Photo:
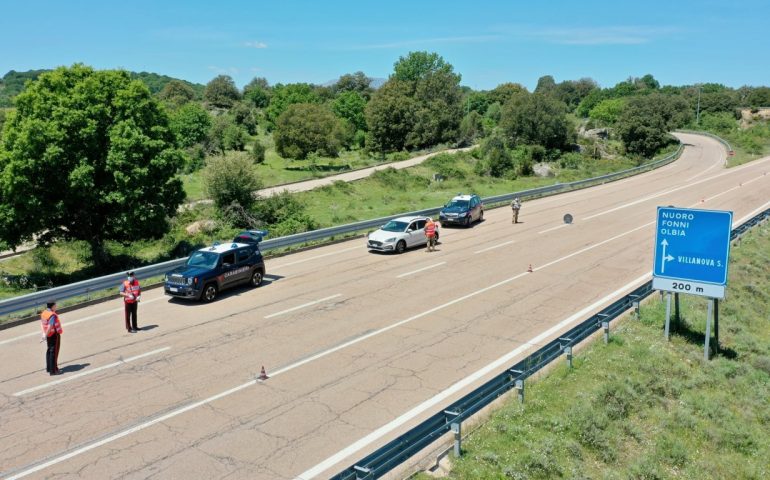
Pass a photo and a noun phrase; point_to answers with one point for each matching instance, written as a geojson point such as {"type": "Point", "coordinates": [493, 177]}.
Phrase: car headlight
{"type": "Point", "coordinates": [390, 240]}
{"type": "Point", "coordinates": [464, 214]}
{"type": "Point", "coordinates": [189, 280]}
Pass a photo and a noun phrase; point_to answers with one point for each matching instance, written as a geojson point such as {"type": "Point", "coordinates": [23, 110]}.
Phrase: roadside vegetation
{"type": "Point", "coordinates": [641, 408]}
{"type": "Point", "coordinates": [128, 154]}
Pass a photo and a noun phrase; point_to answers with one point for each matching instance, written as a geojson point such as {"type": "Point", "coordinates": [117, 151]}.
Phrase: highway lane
{"type": "Point", "coordinates": [346, 365]}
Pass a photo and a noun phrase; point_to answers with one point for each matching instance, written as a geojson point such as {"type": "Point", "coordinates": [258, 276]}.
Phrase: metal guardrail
{"type": "Point", "coordinates": [408, 444]}
{"type": "Point", "coordinates": [38, 299]}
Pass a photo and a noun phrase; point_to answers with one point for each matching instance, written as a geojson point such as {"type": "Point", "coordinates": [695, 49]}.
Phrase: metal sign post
{"type": "Point", "coordinates": [668, 313]}
{"type": "Point", "coordinates": [708, 329]}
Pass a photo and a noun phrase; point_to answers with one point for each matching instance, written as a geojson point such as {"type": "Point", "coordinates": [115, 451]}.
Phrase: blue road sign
{"type": "Point", "coordinates": [692, 249]}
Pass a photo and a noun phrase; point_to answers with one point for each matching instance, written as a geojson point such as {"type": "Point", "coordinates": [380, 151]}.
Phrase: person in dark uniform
{"type": "Point", "coordinates": [51, 325]}
{"type": "Point", "coordinates": [131, 292]}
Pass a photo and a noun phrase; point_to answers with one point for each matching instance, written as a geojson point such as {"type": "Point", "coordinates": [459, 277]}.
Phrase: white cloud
{"type": "Point", "coordinates": [428, 41]}
{"type": "Point", "coordinates": [620, 35]}
{"type": "Point", "coordinates": [255, 44]}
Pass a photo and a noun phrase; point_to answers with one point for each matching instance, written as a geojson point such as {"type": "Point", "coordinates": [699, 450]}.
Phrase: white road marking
{"type": "Point", "coordinates": [67, 323]}
{"type": "Point", "coordinates": [305, 361]}
{"type": "Point", "coordinates": [303, 306]}
{"type": "Point", "coordinates": [420, 270]}
{"type": "Point", "coordinates": [553, 228]}
{"type": "Point", "coordinates": [316, 257]}
{"type": "Point", "coordinates": [89, 372]}
{"type": "Point", "coordinates": [495, 246]}
{"type": "Point", "coordinates": [655, 195]}
{"type": "Point", "coordinates": [462, 384]}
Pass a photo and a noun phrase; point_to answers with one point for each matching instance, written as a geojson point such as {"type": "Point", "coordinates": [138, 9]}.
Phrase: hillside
{"type": "Point", "coordinates": [13, 82]}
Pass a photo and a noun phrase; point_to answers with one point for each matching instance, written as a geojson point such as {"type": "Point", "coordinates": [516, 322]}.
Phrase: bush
{"type": "Point", "coordinates": [399, 179]}
{"type": "Point", "coordinates": [572, 160]}
{"type": "Point", "coordinates": [258, 152]}
{"type": "Point", "coordinates": [231, 179]}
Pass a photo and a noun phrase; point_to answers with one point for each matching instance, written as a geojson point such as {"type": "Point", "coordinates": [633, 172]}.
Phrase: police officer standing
{"type": "Point", "coordinates": [131, 292]}
{"type": "Point", "coordinates": [430, 234]}
{"type": "Point", "coordinates": [515, 207]}
{"type": "Point", "coordinates": [51, 325]}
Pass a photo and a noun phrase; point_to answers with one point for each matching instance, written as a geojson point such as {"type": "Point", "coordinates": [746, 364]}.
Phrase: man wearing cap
{"type": "Point", "coordinates": [131, 292]}
{"type": "Point", "coordinates": [49, 321]}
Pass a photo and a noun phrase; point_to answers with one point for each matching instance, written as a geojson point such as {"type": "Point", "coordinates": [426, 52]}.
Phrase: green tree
{"type": "Point", "coordinates": [607, 111]}
{"type": "Point", "coordinates": [436, 108]}
{"type": "Point", "coordinates": [230, 180]}
{"type": "Point", "coordinates": [285, 95]}
{"type": "Point", "coordinates": [535, 119]}
{"type": "Point", "coordinates": [356, 82]}
{"type": "Point", "coordinates": [645, 122]}
{"type": "Point", "coordinates": [497, 158]}
{"type": "Point", "coordinates": [546, 85]}
{"type": "Point", "coordinates": [221, 92]}
{"type": "Point", "coordinates": [245, 115]}
{"type": "Point", "coordinates": [190, 124]}
{"type": "Point", "coordinates": [87, 155]}
{"type": "Point", "coordinates": [471, 128]}
{"type": "Point", "coordinates": [257, 91]}
{"type": "Point", "coordinates": [350, 105]}
{"type": "Point", "coordinates": [504, 92]}
{"type": "Point", "coordinates": [177, 93]}
{"type": "Point", "coordinates": [225, 135]}
{"type": "Point", "coordinates": [258, 151]}
{"type": "Point", "coordinates": [390, 116]}
{"type": "Point", "coordinates": [305, 128]}
{"type": "Point", "coordinates": [420, 65]}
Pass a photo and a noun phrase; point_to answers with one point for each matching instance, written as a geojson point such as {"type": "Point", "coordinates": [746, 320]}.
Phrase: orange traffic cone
{"type": "Point", "coordinates": [262, 374]}
{"type": "Point", "coordinates": [530, 268]}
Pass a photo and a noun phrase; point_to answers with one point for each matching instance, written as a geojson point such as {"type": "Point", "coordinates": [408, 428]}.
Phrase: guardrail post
{"type": "Point", "coordinates": [635, 304]}
{"type": "Point", "coordinates": [457, 430]}
{"type": "Point", "coordinates": [606, 327]}
{"type": "Point", "coordinates": [520, 390]}
{"type": "Point", "coordinates": [568, 351]}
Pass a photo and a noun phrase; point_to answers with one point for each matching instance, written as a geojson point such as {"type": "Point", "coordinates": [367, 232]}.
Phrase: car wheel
{"type": "Point", "coordinates": [400, 246]}
{"type": "Point", "coordinates": [209, 293]}
{"type": "Point", "coordinates": [256, 278]}
{"type": "Point", "coordinates": [481, 216]}
{"type": "Point", "coordinates": [468, 221]}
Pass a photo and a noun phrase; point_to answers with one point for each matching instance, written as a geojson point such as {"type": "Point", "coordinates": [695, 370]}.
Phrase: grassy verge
{"type": "Point", "coordinates": [276, 170]}
{"type": "Point", "coordinates": [641, 408]}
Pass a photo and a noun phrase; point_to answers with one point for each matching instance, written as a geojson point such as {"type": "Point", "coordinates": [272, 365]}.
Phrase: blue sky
{"type": "Point", "coordinates": [488, 42]}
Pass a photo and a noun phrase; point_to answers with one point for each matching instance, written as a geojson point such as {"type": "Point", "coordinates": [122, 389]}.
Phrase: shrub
{"type": "Point", "coordinates": [231, 179]}
{"type": "Point", "coordinates": [258, 152]}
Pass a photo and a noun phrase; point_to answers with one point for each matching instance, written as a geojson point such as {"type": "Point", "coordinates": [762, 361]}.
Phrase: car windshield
{"type": "Point", "coordinates": [394, 226]}
{"type": "Point", "coordinates": [203, 259]}
{"type": "Point", "coordinates": [458, 204]}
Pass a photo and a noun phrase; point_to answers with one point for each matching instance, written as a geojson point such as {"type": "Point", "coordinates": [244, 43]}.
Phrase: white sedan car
{"type": "Point", "coordinates": [399, 234]}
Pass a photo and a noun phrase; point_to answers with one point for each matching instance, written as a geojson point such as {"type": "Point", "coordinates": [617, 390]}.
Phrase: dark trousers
{"type": "Point", "coordinates": [52, 353]}
{"type": "Point", "coordinates": [131, 309]}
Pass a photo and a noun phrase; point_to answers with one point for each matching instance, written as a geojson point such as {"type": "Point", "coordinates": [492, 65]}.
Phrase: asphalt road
{"type": "Point", "coordinates": [359, 346]}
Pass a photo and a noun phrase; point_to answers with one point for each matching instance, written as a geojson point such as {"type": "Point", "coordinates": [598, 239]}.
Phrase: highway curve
{"type": "Point", "coordinates": [358, 346]}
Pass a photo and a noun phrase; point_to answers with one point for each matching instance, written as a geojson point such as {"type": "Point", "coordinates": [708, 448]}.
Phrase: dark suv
{"type": "Point", "coordinates": [210, 270]}
{"type": "Point", "coordinates": [462, 210]}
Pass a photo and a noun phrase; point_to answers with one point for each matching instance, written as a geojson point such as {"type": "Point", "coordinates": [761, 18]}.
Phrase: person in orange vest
{"type": "Point", "coordinates": [51, 325]}
{"type": "Point", "coordinates": [430, 234]}
{"type": "Point", "coordinates": [131, 293]}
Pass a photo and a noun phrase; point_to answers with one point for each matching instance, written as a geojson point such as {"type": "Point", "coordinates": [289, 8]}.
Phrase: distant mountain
{"type": "Point", "coordinates": [13, 82]}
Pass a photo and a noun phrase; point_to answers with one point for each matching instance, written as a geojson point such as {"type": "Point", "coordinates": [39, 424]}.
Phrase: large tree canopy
{"type": "Point", "coordinates": [535, 119]}
{"type": "Point", "coordinates": [221, 92]}
{"type": "Point", "coordinates": [420, 105]}
{"type": "Point", "coordinates": [304, 128]}
{"type": "Point", "coordinates": [88, 155]}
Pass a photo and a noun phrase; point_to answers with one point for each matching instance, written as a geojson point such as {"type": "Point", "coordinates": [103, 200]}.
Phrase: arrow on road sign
{"type": "Point", "coordinates": [665, 258]}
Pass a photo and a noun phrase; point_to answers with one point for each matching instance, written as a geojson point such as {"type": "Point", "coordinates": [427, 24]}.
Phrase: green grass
{"type": "Point", "coordinates": [276, 170]}
{"type": "Point", "coordinates": [392, 191]}
{"type": "Point", "coordinates": [642, 408]}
